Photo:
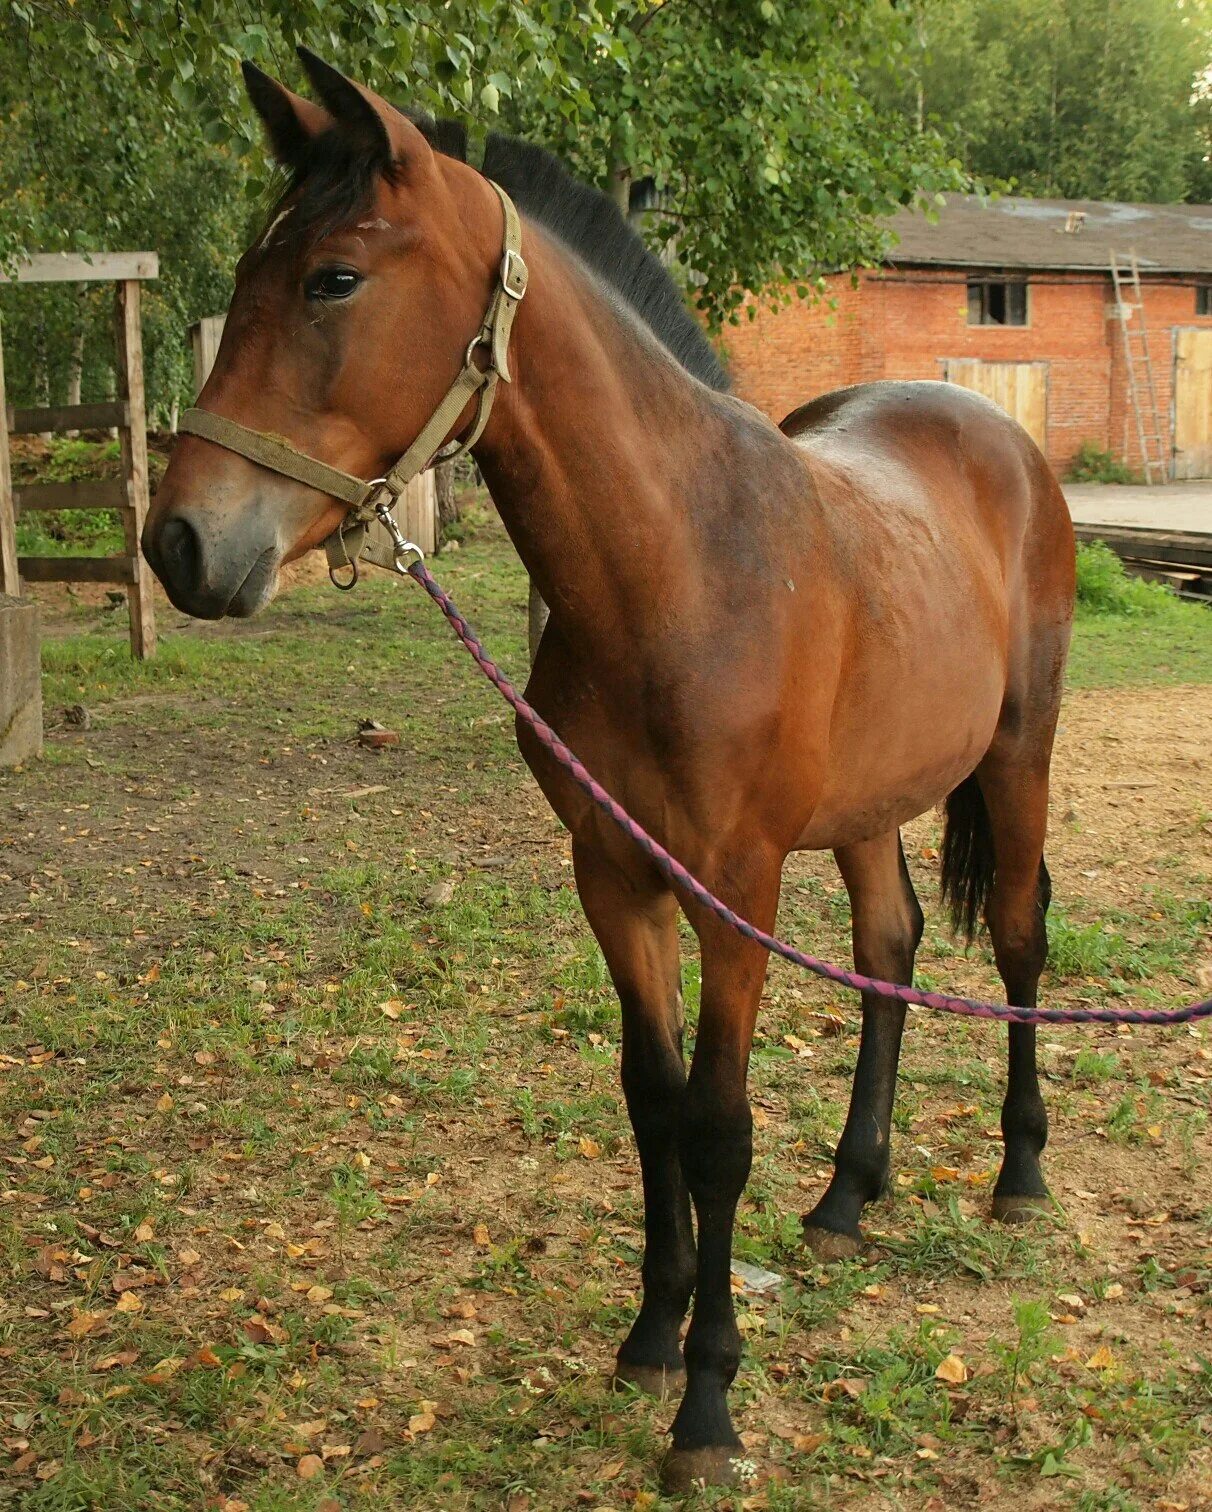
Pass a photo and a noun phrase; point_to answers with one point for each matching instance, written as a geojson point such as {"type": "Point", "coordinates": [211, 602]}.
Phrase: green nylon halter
{"type": "Point", "coordinates": [353, 537]}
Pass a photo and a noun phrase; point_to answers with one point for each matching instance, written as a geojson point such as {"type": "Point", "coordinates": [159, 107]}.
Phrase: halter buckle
{"type": "Point", "coordinates": [514, 274]}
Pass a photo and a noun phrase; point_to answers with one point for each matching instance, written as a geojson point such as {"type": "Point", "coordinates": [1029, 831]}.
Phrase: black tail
{"type": "Point", "coordinates": [967, 857]}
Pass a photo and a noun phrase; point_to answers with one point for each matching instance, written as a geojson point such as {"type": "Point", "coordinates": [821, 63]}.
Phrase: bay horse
{"type": "Point", "coordinates": [761, 639]}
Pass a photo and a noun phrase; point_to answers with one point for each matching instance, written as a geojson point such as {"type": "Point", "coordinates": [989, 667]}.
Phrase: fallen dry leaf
{"type": "Point", "coordinates": [83, 1323]}
{"type": "Point", "coordinates": [309, 1467]}
{"type": "Point", "coordinates": [163, 1371]}
{"type": "Point", "coordinates": [373, 1441]}
{"type": "Point", "coordinates": [952, 1369]}
{"type": "Point", "coordinates": [462, 1336]}
{"type": "Point", "coordinates": [805, 1443]}
{"type": "Point", "coordinates": [115, 1361]}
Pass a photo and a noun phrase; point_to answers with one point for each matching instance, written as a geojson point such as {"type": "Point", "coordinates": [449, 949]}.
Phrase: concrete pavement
{"type": "Point", "coordinates": [1165, 506]}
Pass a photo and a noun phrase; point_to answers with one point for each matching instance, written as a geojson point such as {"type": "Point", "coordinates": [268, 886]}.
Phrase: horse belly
{"type": "Point", "coordinates": [898, 745]}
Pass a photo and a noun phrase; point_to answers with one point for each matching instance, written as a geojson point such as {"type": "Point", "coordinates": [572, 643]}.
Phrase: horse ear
{"type": "Point", "coordinates": [355, 108]}
{"type": "Point", "coordinates": [380, 127]}
{"type": "Point", "coordinates": [290, 121]}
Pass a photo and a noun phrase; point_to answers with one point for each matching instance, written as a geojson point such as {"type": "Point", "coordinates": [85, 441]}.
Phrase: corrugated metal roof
{"type": "Point", "coordinates": [1030, 233]}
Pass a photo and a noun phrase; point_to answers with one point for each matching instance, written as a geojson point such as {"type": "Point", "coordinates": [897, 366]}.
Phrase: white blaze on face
{"type": "Point", "coordinates": [273, 226]}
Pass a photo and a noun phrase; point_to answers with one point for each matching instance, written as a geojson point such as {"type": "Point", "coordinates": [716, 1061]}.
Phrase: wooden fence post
{"type": "Point", "coordinates": [205, 336]}
{"type": "Point", "coordinates": [418, 512]}
{"type": "Point", "coordinates": [128, 331]}
{"type": "Point", "coordinates": [10, 582]}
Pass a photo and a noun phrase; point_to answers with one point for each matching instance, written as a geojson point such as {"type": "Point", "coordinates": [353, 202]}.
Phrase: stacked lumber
{"type": "Point", "coordinates": [1180, 559]}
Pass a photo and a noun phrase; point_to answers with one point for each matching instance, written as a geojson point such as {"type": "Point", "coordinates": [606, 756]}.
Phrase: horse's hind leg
{"type": "Point", "coordinates": [887, 927]}
{"type": "Point", "coordinates": [1014, 786]}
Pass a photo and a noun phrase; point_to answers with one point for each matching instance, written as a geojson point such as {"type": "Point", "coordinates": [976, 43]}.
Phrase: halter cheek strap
{"type": "Point", "coordinates": [373, 500]}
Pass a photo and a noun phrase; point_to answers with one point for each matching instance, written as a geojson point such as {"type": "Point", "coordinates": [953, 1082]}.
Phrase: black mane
{"type": "Point", "coordinates": [336, 181]}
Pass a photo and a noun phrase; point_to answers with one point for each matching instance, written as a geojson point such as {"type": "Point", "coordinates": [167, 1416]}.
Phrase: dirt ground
{"type": "Point", "coordinates": [324, 1064]}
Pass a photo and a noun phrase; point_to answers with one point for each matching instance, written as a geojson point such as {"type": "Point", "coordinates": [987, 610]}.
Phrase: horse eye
{"type": "Point", "coordinates": [332, 283]}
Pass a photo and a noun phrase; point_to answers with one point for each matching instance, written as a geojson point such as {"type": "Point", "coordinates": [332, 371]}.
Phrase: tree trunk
{"type": "Point", "coordinates": [75, 370]}
{"type": "Point", "coordinates": [536, 621]}
{"type": "Point", "coordinates": [42, 374]}
{"type": "Point", "coordinates": [619, 188]}
{"type": "Point", "coordinates": [448, 509]}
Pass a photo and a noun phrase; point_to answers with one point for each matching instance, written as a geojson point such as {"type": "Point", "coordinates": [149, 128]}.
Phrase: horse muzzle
{"type": "Point", "coordinates": [208, 573]}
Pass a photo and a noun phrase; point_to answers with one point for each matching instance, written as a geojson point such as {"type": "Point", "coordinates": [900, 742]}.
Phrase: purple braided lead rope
{"type": "Point", "coordinates": [676, 872]}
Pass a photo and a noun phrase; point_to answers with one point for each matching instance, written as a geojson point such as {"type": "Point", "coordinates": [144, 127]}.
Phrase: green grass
{"type": "Point", "coordinates": [1118, 651]}
{"type": "Point", "coordinates": [1132, 632]}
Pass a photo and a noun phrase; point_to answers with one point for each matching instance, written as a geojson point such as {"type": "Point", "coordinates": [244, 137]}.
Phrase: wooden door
{"type": "Point", "coordinates": [1020, 388]}
{"type": "Point", "coordinates": [1192, 402]}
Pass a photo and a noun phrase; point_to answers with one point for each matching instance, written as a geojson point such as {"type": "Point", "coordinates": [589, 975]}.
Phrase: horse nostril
{"type": "Point", "coordinates": [180, 552]}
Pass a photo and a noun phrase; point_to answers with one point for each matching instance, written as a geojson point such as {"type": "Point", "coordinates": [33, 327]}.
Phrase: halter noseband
{"type": "Point", "coordinates": [377, 498]}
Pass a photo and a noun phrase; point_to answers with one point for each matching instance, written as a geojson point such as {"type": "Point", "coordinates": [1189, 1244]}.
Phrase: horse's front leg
{"type": "Point", "coordinates": [634, 916]}
{"type": "Point", "coordinates": [717, 1146]}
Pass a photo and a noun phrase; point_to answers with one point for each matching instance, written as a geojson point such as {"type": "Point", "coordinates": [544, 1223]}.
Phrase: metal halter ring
{"type": "Point", "coordinates": [481, 340]}
{"type": "Point", "coordinates": [336, 581]}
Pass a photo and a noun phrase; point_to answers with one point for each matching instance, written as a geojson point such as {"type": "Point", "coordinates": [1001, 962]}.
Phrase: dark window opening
{"type": "Point", "coordinates": [1003, 304]}
{"type": "Point", "coordinates": [1203, 299]}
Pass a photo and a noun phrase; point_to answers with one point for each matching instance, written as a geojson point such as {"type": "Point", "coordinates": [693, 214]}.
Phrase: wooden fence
{"type": "Point", "coordinates": [128, 493]}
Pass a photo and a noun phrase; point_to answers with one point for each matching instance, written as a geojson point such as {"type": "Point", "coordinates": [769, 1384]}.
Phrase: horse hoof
{"type": "Point", "coordinates": [827, 1244]}
{"type": "Point", "coordinates": [658, 1381]}
{"type": "Point", "coordinates": [684, 1470]}
{"type": "Point", "coordinates": [1009, 1208]}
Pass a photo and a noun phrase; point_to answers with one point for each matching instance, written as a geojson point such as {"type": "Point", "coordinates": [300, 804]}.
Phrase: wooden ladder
{"type": "Point", "coordinates": [1142, 391]}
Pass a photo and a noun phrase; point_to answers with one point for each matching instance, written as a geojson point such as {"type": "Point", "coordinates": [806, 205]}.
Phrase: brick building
{"type": "Point", "coordinates": [1015, 298]}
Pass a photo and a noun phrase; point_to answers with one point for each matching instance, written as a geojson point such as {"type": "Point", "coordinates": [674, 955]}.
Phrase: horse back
{"type": "Point", "coordinates": [912, 456]}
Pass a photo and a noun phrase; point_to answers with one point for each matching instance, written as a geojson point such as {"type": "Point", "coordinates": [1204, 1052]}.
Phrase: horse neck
{"type": "Point", "coordinates": [595, 452]}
